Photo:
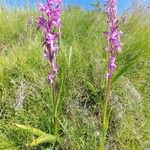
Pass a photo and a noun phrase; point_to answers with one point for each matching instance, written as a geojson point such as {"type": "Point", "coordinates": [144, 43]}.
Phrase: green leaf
{"type": "Point", "coordinates": [47, 138]}
{"type": "Point", "coordinates": [32, 130]}
{"type": "Point", "coordinates": [42, 137]}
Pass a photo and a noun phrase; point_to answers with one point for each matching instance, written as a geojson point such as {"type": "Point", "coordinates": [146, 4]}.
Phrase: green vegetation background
{"type": "Point", "coordinates": [24, 91]}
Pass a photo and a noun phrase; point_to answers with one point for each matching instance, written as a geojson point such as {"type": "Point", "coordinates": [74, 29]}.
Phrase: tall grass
{"type": "Point", "coordinates": [81, 59]}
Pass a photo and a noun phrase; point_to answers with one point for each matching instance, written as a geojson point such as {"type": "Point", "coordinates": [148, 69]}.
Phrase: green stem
{"type": "Point", "coordinates": [55, 100]}
{"type": "Point", "coordinates": [106, 102]}
{"type": "Point", "coordinates": [105, 121]}
{"type": "Point", "coordinates": [55, 126]}
{"type": "Point", "coordinates": [54, 105]}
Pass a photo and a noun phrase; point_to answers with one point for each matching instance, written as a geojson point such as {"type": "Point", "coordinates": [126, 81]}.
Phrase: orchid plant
{"type": "Point", "coordinates": [50, 23]}
{"type": "Point", "coordinates": [114, 46]}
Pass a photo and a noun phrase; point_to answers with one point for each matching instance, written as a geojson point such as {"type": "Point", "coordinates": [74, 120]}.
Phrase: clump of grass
{"type": "Point", "coordinates": [5, 143]}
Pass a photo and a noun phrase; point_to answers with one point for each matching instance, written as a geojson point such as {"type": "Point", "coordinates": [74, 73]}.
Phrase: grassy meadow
{"type": "Point", "coordinates": [25, 97]}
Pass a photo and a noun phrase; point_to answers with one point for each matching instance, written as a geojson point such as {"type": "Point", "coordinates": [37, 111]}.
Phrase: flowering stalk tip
{"type": "Point", "coordinates": [50, 23]}
{"type": "Point", "coordinates": [113, 36]}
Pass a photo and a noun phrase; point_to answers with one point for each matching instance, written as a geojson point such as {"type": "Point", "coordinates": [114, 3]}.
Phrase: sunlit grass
{"type": "Point", "coordinates": [81, 59]}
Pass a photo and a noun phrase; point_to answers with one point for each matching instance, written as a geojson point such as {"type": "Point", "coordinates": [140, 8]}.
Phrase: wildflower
{"type": "Point", "coordinates": [113, 35]}
{"type": "Point", "coordinates": [113, 46]}
{"type": "Point", "coordinates": [50, 23]}
{"type": "Point", "coordinates": [112, 65]}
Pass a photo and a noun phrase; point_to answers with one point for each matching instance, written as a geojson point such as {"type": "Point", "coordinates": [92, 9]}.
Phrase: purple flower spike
{"type": "Point", "coordinates": [50, 23]}
{"type": "Point", "coordinates": [112, 65]}
{"type": "Point", "coordinates": [41, 23]}
{"type": "Point", "coordinates": [113, 34]}
{"type": "Point", "coordinates": [50, 78]}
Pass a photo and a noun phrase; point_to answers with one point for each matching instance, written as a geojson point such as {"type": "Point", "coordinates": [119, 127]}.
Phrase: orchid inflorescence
{"type": "Point", "coordinates": [114, 46]}
{"type": "Point", "coordinates": [50, 22]}
{"type": "Point", "coordinates": [113, 35]}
